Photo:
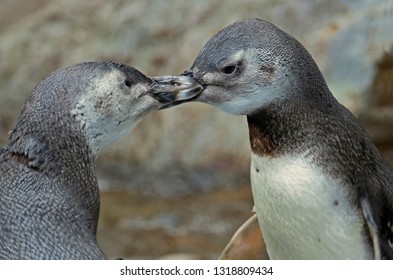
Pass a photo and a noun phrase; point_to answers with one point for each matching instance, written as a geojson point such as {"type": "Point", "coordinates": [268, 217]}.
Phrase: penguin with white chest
{"type": "Point", "coordinates": [49, 196]}
{"type": "Point", "coordinates": [321, 188]}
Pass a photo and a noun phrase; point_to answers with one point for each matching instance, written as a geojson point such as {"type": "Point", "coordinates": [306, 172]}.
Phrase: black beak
{"type": "Point", "coordinates": [172, 89]}
{"type": "Point", "coordinates": [188, 73]}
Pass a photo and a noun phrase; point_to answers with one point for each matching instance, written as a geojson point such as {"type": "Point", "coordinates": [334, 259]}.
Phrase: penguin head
{"type": "Point", "coordinates": [113, 102]}
{"type": "Point", "coordinates": [250, 64]}
{"type": "Point", "coordinates": [96, 101]}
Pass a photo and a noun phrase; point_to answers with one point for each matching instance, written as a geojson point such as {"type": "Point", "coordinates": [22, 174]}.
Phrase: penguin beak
{"type": "Point", "coordinates": [188, 73]}
{"type": "Point", "coordinates": [170, 90]}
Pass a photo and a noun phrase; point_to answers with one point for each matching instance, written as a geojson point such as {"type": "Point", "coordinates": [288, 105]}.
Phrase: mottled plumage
{"type": "Point", "coordinates": [49, 196]}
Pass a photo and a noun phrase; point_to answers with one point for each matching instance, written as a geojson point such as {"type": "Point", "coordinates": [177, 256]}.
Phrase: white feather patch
{"type": "Point", "coordinates": [305, 214]}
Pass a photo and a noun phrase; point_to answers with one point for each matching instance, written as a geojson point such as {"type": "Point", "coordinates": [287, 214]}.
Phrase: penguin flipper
{"type": "Point", "coordinates": [372, 226]}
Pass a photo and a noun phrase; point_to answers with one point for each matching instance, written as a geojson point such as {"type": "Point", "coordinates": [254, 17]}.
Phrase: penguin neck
{"type": "Point", "coordinates": [43, 148]}
{"type": "Point", "coordinates": [54, 148]}
{"type": "Point", "coordinates": [287, 126]}
{"type": "Point", "coordinates": [49, 141]}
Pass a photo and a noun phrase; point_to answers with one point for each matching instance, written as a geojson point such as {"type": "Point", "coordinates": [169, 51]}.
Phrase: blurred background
{"type": "Point", "coordinates": [178, 185]}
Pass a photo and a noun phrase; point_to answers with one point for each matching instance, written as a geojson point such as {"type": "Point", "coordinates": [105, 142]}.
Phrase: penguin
{"type": "Point", "coordinates": [49, 196]}
{"type": "Point", "coordinates": [321, 188]}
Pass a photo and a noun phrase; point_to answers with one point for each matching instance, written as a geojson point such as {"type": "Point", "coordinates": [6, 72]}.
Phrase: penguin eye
{"type": "Point", "coordinates": [228, 69]}
{"type": "Point", "coordinates": [128, 83]}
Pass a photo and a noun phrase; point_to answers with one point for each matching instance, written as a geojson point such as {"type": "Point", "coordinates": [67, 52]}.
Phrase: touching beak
{"type": "Point", "coordinates": [173, 90]}
{"type": "Point", "coordinates": [188, 73]}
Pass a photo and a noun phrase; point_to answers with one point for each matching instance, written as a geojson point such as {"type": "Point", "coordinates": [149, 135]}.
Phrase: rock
{"type": "Point", "coordinates": [180, 256]}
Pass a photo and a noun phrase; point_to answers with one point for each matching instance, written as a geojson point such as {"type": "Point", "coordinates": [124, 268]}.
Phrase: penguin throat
{"type": "Point", "coordinates": [289, 126]}
{"type": "Point", "coordinates": [271, 132]}
{"type": "Point", "coordinates": [50, 153]}
{"type": "Point", "coordinates": [260, 143]}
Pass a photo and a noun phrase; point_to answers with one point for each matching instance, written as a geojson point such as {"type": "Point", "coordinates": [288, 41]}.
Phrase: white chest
{"type": "Point", "coordinates": [303, 214]}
